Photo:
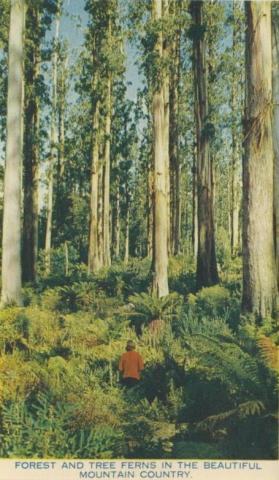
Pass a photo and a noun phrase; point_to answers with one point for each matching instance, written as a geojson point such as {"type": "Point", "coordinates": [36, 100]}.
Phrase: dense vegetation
{"type": "Point", "coordinates": [208, 389]}
{"type": "Point", "coordinates": [139, 201]}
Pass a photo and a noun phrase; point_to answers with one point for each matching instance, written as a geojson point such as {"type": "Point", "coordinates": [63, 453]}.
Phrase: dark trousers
{"type": "Point", "coordinates": [129, 382]}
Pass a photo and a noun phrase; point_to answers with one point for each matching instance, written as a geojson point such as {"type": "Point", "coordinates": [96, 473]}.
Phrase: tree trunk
{"type": "Point", "coordinates": [194, 203]}
{"type": "Point", "coordinates": [175, 201]}
{"type": "Point", "coordinates": [61, 107]}
{"type": "Point", "coordinates": [234, 194]}
{"type": "Point", "coordinates": [160, 230]}
{"type": "Point", "coordinates": [53, 150]}
{"type": "Point", "coordinates": [166, 93]}
{"type": "Point", "coordinates": [259, 272]}
{"type": "Point", "coordinates": [127, 228]}
{"type": "Point", "coordinates": [234, 204]}
{"type": "Point", "coordinates": [275, 86]}
{"type": "Point", "coordinates": [11, 251]}
{"type": "Point", "coordinates": [31, 148]}
{"type": "Point", "coordinates": [100, 216]}
{"type": "Point", "coordinates": [150, 202]}
{"type": "Point", "coordinates": [150, 186]}
{"type": "Point", "coordinates": [106, 182]}
{"type": "Point", "coordinates": [206, 262]}
{"type": "Point", "coordinates": [116, 216]}
{"type": "Point", "coordinates": [66, 259]}
{"type": "Point", "coordinates": [93, 254]}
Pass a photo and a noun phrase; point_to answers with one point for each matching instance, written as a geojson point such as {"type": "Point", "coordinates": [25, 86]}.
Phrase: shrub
{"type": "Point", "coordinates": [14, 329]}
{"type": "Point", "coordinates": [188, 449]}
{"type": "Point", "coordinates": [46, 431]}
{"type": "Point", "coordinates": [213, 301]}
{"type": "Point", "coordinates": [182, 276]}
{"type": "Point", "coordinates": [149, 431]}
{"type": "Point", "coordinates": [18, 377]}
{"type": "Point", "coordinates": [44, 330]}
{"type": "Point", "coordinates": [148, 308]}
{"type": "Point", "coordinates": [82, 332]}
{"type": "Point", "coordinates": [50, 299]}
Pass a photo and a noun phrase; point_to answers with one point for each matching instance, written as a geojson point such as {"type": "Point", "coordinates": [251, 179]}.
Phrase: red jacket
{"type": "Point", "coordinates": [130, 364]}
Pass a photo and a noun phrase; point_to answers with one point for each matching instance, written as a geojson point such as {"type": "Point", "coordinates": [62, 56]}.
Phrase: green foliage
{"type": "Point", "coordinates": [203, 383]}
{"type": "Point", "coordinates": [223, 248]}
{"type": "Point", "coordinates": [209, 386]}
{"type": "Point", "coordinates": [148, 308]}
{"type": "Point", "coordinates": [252, 407]}
{"type": "Point", "coordinates": [154, 431]}
{"type": "Point", "coordinates": [48, 430]}
{"type": "Point", "coordinates": [14, 328]}
{"type": "Point", "coordinates": [210, 301]}
{"type": "Point", "coordinates": [182, 274]}
{"type": "Point", "coordinates": [187, 449]}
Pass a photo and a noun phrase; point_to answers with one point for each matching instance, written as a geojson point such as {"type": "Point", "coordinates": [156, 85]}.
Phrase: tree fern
{"type": "Point", "coordinates": [252, 407]}
{"type": "Point", "coordinates": [224, 361]}
{"type": "Point", "coordinates": [148, 308]}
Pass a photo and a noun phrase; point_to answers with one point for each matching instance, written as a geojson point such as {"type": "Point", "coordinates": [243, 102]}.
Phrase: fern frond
{"type": "Point", "coordinates": [250, 408]}
{"type": "Point", "coordinates": [269, 352]}
{"type": "Point", "coordinates": [224, 361]}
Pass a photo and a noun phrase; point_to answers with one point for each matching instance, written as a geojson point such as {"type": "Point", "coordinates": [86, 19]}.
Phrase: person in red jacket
{"type": "Point", "coordinates": [130, 365]}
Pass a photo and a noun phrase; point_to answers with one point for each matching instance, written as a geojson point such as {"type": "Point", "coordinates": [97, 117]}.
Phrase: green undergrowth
{"type": "Point", "coordinates": [208, 390]}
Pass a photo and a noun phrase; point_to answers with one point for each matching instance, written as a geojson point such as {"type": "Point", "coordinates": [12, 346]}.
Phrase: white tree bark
{"type": "Point", "coordinates": [93, 254]}
{"type": "Point", "coordinates": [161, 218]}
{"type": "Point", "coordinates": [11, 253]}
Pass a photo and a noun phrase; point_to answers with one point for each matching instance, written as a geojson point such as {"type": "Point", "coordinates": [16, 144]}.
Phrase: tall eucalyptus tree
{"type": "Point", "coordinates": [11, 243]}
{"type": "Point", "coordinates": [259, 271]}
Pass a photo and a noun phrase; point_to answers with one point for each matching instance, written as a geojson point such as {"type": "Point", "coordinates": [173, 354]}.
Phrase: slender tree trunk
{"type": "Point", "coordinates": [106, 182]}
{"type": "Point", "coordinates": [116, 217]}
{"type": "Point", "coordinates": [61, 159]}
{"type": "Point", "coordinates": [117, 223]}
{"type": "Point", "coordinates": [166, 93]}
{"type": "Point", "coordinates": [160, 230]}
{"type": "Point", "coordinates": [194, 203]}
{"type": "Point", "coordinates": [53, 150]}
{"type": "Point", "coordinates": [234, 194]}
{"type": "Point", "coordinates": [206, 262]}
{"type": "Point", "coordinates": [150, 202]}
{"type": "Point", "coordinates": [66, 259]}
{"type": "Point", "coordinates": [100, 216]}
{"type": "Point", "coordinates": [11, 251]}
{"type": "Point", "coordinates": [259, 272]}
{"type": "Point", "coordinates": [150, 188]}
{"type": "Point", "coordinates": [234, 207]}
{"type": "Point", "coordinates": [61, 108]}
{"type": "Point", "coordinates": [175, 167]}
{"type": "Point", "coordinates": [127, 227]}
{"type": "Point", "coordinates": [93, 254]}
{"type": "Point", "coordinates": [233, 224]}
{"type": "Point", "coordinates": [50, 178]}
{"type": "Point", "coordinates": [275, 85]}
{"type": "Point", "coordinates": [31, 148]}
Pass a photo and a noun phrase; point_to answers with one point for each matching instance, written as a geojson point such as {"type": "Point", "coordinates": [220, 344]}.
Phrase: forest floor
{"type": "Point", "coordinates": [208, 389]}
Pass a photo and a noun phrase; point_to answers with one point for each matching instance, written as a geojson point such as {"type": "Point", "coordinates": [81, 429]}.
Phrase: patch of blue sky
{"type": "Point", "coordinates": [74, 22]}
